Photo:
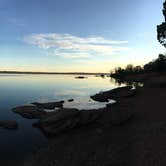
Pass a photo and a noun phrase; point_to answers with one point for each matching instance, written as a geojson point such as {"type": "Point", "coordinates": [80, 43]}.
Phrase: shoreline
{"type": "Point", "coordinates": [140, 141]}
{"type": "Point", "coordinates": [52, 73]}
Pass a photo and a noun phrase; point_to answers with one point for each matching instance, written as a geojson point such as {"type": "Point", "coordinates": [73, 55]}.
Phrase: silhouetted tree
{"type": "Point", "coordinates": [138, 69]}
{"type": "Point", "coordinates": [157, 65]}
{"type": "Point", "coordinates": [161, 63]}
{"type": "Point", "coordinates": [161, 29]}
{"type": "Point", "coordinates": [129, 68]}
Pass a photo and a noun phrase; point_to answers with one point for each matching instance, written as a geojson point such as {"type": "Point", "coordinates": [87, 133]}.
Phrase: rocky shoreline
{"type": "Point", "coordinates": [64, 119]}
{"type": "Point", "coordinates": [131, 131]}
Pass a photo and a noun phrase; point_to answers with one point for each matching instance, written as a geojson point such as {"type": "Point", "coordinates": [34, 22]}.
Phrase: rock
{"type": "Point", "coordinates": [89, 116]}
{"type": "Point", "coordinates": [61, 114]}
{"type": "Point", "coordinates": [102, 75]}
{"type": "Point", "coordinates": [101, 97]}
{"type": "Point", "coordinates": [9, 124]}
{"type": "Point", "coordinates": [57, 121]}
{"type": "Point", "coordinates": [80, 77]}
{"type": "Point", "coordinates": [30, 112]}
{"type": "Point", "coordinates": [119, 113]}
{"type": "Point", "coordinates": [65, 119]}
{"type": "Point", "coordinates": [49, 105]}
{"type": "Point", "coordinates": [70, 100]}
{"type": "Point", "coordinates": [117, 93]}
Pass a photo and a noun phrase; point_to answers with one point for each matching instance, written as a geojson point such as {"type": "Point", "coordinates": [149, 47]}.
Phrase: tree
{"type": "Point", "coordinates": [137, 69]}
{"type": "Point", "coordinates": [129, 68]}
{"type": "Point", "coordinates": [161, 63]}
{"type": "Point", "coordinates": [161, 29]}
{"type": "Point", "coordinates": [158, 65]}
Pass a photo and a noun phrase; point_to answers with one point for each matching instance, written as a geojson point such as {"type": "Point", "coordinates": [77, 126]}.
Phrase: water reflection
{"type": "Point", "coordinates": [22, 89]}
{"type": "Point", "coordinates": [121, 82]}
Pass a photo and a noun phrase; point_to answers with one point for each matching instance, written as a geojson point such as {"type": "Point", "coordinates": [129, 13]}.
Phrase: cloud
{"type": "Point", "coordinates": [75, 55]}
{"type": "Point", "coordinates": [69, 46]}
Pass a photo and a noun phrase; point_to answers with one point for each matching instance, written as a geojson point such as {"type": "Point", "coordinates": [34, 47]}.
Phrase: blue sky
{"type": "Point", "coordinates": [78, 35]}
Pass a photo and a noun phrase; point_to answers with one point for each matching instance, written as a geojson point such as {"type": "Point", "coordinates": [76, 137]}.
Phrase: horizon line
{"type": "Point", "coordinates": [40, 72]}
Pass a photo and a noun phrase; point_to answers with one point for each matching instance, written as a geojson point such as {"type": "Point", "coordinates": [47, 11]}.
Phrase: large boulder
{"type": "Point", "coordinates": [29, 111]}
{"type": "Point", "coordinates": [9, 124]}
{"type": "Point", "coordinates": [64, 119]}
{"type": "Point", "coordinates": [49, 105]}
{"type": "Point", "coordinates": [58, 121]}
{"type": "Point", "coordinates": [116, 94]}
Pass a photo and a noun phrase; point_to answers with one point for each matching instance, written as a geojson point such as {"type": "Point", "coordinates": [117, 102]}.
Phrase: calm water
{"type": "Point", "coordinates": [23, 89]}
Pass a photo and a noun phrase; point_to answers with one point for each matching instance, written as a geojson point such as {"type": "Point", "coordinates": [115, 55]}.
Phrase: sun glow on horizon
{"type": "Point", "coordinates": [97, 38]}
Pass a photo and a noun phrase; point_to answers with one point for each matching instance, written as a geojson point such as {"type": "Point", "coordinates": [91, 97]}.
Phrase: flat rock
{"type": "Point", "coordinates": [89, 116]}
{"type": "Point", "coordinates": [49, 105]}
{"type": "Point", "coordinates": [9, 124]}
{"type": "Point", "coordinates": [30, 112]}
{"type": "Point", "coordinates": [117, 93]}
{"type": "Point", "coordinates": [65, 119]}
{"type": "Point", "coordinates": [58, 121]}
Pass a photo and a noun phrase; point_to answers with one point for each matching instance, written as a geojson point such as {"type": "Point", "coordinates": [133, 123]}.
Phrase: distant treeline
{"type": "Point", "coordinates": [157, 65]}
{"type": "Point", "coordinates": [51, 73]}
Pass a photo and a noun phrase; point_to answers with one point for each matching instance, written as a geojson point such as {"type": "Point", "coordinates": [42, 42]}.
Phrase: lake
{"type": "Point", "coordinates": [20, 89]}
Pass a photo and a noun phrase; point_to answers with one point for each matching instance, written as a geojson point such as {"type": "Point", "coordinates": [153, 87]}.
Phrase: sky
{"type": "Point", "coordinates": [78, 35]}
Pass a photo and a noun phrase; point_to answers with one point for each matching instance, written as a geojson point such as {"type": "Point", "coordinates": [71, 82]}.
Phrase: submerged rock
{"type": "Point", "coordinates": [115, 94]}
{"type": "Point", "coordinates": [30, 112]}
{"type": "Point", "coordinates": [49, 105]}
{"type": "Point", "coordinates": [9, 124]}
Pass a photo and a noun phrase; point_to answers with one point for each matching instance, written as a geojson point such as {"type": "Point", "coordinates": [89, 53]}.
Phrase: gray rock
{"type": "Point", "coordinates": [117, 93]}
{"type": "Point", "coordinates": [30, 112]}
{"type": "Point", "coordinates": [49, 105]}
{"type": "Point", "coordinates": [9, 124]}
{"type": "Point", "coordinates": [89, 116]}
{"type": "Point", "coordinates": [57, 121]}
{"type": "Point", "coordinates": [65, 119]}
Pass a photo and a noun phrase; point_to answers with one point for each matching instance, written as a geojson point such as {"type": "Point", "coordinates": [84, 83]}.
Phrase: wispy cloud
{"type": "Point", "coordinates": [69, 46]}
